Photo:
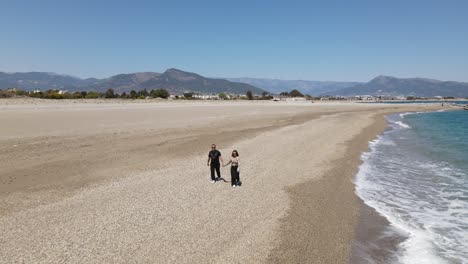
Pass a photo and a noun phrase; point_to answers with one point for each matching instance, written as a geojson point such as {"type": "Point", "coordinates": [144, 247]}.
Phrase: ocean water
{"type": "Point", "coordinates": [460, 102]}
{"type": "Point", "coordinates": [416, 175]}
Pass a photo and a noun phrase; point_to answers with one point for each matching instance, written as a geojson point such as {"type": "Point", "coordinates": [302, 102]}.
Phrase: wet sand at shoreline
{"type": "Point", "coordinates": [122, 182]}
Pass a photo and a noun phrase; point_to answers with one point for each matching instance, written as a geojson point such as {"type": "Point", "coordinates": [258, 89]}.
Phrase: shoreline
{"type": "Point", "coordinates": [295, 247]}
{"type": "Point", "coordinates": [275, 206]}
{"type": "Point", "coordinates": [377, 240]}
{"type": "Point", "coordinates": [370, 240]}
{"type": "Point", "coordinates": [374, 241]}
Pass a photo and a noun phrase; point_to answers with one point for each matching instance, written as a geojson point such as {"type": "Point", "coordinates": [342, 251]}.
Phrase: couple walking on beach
{"type": "Point", "coordinates": [215, 161]}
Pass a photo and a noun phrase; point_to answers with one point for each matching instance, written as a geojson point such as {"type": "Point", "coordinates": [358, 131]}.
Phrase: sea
{"type": "Point", "coordinates": [416, 176]}
{"type": "Point", "coordinates": [456, 102]}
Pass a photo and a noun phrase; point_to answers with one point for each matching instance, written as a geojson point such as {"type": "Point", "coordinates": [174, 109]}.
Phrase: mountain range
{"type": "Point", "coordinates": [173, 80]}
{"type": "Point", "coordinates": [392, 86]}
{"type": "Point", "coordinates": [177, 81]}
{"type": "Point", "coordinates": [314, 88]}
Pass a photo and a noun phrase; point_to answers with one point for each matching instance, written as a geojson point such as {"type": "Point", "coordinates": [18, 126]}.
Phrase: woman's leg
{"type": "Point", "coordinates": [233, 175]}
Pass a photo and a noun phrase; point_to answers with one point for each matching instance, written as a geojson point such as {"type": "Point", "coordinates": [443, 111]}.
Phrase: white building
{"type": "Point", "coordinates": [364, 97]}
{"type": "Point", "coordinates": [296, 99]}
{"type": "Point", "coordinates": [206, 96]}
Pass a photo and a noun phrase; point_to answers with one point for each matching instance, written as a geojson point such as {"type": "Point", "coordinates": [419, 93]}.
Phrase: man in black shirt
{"type": "Point", "coordinates": [213, 161]}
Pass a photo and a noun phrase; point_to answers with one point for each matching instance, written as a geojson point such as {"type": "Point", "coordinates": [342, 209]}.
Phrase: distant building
{"type": "Point", "coordinates": [295, 99]}
{"type": "Point", "coordinates": [364, 97]}
{"type": "Point", "coordinates": [206, 96]}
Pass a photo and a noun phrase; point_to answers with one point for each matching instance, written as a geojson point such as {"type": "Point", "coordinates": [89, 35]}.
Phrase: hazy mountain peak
{"type": "Point", "coordinates": [277, 86]}
{"type": "Point", "coordinates": [392, 86]}
{"type": "Point", "coordinates": [181, 75]}
{"type": "Point", "coordinates": [62, 75]}
{"type": "Point", "coordinates": [383, 79]}
{"type": "Point", "coordinates": [177, 71]}
{"type": "Point", "coordinates": [174, 70]}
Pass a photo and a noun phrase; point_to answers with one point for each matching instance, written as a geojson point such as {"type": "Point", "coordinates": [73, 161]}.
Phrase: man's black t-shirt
{"type": "Point", "coordinates": [214, 155]}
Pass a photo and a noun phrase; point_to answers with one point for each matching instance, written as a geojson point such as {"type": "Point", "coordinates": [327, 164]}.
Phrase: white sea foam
{"type": "Point", "coordinates": [418, 248]}
{"type": "Point", "coordinates": [401, 124]}
{"type": "Point", "coordinates": [402, 115]}
{"type": "Point", "coordinates": [426, 200]}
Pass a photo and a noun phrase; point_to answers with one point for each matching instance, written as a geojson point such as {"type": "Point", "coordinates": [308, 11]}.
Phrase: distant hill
{"type": "Point", "coordinates": [314, 88]}
{"type": "Point", "coordinates": [33, 80]}
{"type": "Point", "coordinates": [173, 80]}
{"type": "Point", "coordinates": [392, 86]}
{"type": "Point", "coordinates": [178, 81]}
{"type": "Point", "coordinates": [120, 82]}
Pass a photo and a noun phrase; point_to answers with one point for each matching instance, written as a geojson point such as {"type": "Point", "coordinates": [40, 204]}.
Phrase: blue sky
{"type": "Point", "coordinates": [310, 40]}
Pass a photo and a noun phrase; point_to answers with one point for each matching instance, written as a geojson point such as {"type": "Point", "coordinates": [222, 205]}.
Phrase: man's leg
{"type": "Point", "coordinates": [212, 169]}
{"type": "Point", "coordinates": [218, 172]}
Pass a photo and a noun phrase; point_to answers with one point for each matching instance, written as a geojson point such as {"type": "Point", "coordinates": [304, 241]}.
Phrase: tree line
{"type": "Point", "coordinates": [56, 94]}
{"type": "Point", "coordinates": [141, 94]}
{"type": "Point", "coordinates": [110, 93]}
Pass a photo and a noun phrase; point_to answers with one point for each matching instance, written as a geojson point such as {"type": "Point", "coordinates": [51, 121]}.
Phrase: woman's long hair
{"type": "Point", "coordinates": [237, 153]}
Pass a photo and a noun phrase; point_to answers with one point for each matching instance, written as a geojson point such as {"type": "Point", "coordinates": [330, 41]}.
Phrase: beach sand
{"type": "Point", "coordinates": [100, 181]}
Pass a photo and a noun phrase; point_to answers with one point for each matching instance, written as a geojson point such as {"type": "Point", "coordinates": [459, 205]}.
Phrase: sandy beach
{"type": "Point", "coordinates": [101, 181]}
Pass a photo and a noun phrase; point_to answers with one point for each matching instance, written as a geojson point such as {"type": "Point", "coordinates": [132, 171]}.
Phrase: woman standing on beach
{"type": "Point", "coordinates": [235, 169]}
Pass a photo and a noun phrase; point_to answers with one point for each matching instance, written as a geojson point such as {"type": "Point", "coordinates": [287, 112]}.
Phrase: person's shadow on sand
{"type": "Point", "coordinates": [239, 183]}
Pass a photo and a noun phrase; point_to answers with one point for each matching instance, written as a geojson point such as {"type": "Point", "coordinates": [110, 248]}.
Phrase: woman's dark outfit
{"type": "Point", "coordinates": [235, 180]}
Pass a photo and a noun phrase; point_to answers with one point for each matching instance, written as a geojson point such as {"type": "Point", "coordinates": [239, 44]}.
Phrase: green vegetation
{"type": "Point", "coordinates": [52, 94]}
{"type": "Point", "coordinates": [133, 94]}
{"type": "Point", "coordinates": [293, 93]}
{"type": "Point", "coordinates": [79, 95]}
{"type": "Point", "coordinates": [266, 96]}
{"type": "Point", "coordinates": [5, 94]}
{"type": "Point", "coordinates": [222, 96]}
{"type": "Point", "coordinates": [161, 93]}
{"type": "Point", "coordinates": [249, 95]}
{"type": "Point", "coordinates": [109, 93]}
{"type": "Point", "coordinates": [143, 94]}
{"type": "Point", "coordinates": [92, 95]}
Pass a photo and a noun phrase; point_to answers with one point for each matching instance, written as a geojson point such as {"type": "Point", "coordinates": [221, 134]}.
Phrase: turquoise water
{"type": "Point", "coordinates": [447, 133]}
{"type": "Point", "coordinates": [462, 102]}
{"type": "Point", "coordinates": [416, 175]}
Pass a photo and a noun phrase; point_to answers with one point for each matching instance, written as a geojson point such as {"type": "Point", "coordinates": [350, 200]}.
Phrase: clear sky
{"type": "Point", "coordinates": [311, 40]}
